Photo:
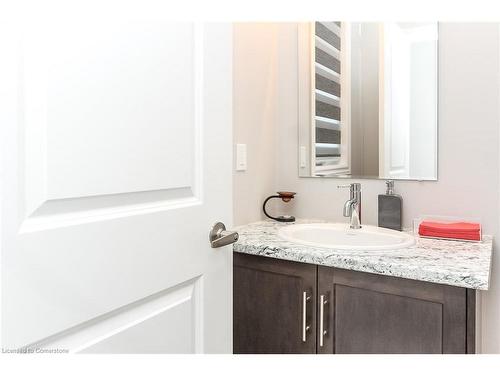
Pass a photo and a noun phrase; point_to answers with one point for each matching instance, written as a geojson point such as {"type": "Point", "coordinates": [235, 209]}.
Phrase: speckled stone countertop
{"type": "Point", "coordinates": [457, 263]}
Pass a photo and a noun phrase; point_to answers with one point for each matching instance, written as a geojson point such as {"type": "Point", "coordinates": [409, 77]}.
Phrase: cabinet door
{"type": "Point", "coordinates": [367, 313]}
{"type": "Point", "coordinates": [274, 307]}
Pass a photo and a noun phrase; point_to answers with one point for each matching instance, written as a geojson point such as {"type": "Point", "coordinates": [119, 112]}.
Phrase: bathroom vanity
{"type": "Point", "coordinates": [296, 298]}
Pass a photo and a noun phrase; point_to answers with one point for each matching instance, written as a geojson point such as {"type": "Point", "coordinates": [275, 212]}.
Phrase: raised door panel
{"type": "Point", "coordinates": [100, 98]}
{"type": "Point", "coordinates": [373, 322]}
{"type": "Point", "coordinates": [369, 313]}
{"type": "Point", "coordinates": [166, 322]}
{"type": "Point", "coordinates": [110, 112]}
{"type": "Point", "coordinates": [268, 305]}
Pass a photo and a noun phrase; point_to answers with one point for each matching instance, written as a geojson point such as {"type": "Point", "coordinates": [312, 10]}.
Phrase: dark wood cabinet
{"type": "Point", "coordinates": [368, 313]}
{"type": "Point", "coordinates": [269, 306]}
{"type": "Point", "coordinates": [355, 312]}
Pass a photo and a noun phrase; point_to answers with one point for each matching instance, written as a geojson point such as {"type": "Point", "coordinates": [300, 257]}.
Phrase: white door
{"type": "Point", "coordinates": [116, 161]}
{"type": "Point", "coordinates": [394, 102]}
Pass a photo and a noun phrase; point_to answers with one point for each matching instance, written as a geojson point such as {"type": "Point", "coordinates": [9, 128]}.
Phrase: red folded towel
{"type": "Point", "coordinates": [458, 230]}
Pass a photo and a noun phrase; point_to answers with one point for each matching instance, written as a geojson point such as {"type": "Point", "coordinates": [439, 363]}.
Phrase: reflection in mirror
{"type": "Point", "coordinates": [368, 100]}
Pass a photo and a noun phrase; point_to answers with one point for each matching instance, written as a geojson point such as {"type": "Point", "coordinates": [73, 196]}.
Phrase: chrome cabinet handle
{"type": "Point", "coordinates": [322, 331]}
{"type": "Point", "coordinates": [219, 236]}
{"type": "Point", "coordinates": [305, 327]}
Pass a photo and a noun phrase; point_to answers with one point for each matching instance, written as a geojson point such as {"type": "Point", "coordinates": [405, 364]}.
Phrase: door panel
{"type": "Point", "coordinates": [100, 113]}
{"type": "Point", "coordinates": [268, 305]}
{"type": "Point", "coordinates": [153, 335]}
{"type": "Point", "coordinates": [112, 177]}
{"type": "Point", "coordinates": [145, 326]}
{"type": "Point", "coordinates": [373, 322]}
{"type": "Point", "coordinates": [369, 313]}
{"type": "Point", "coordinates": [110, 112]}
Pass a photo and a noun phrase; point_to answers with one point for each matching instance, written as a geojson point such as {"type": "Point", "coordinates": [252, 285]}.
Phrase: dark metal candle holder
{"type": "Point", "coordinates": [285, 196]}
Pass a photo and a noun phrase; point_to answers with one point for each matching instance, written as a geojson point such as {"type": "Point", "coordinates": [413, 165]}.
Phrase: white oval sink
{"type": "Point", "coordinates": [340, 237]}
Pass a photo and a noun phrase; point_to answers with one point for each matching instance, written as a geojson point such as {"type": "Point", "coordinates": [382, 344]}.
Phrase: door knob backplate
{"type": "Point", "coordinates": [219, 236]}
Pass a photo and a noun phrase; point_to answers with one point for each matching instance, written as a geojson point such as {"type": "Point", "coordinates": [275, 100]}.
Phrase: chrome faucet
{"type": "Point", "coordinates": [352, 207]}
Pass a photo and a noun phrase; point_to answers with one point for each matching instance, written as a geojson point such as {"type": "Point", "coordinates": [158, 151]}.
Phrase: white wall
{"type": "Point", "coordinates": [468, 148]}
{"type": "Point", "coordinates": [254, 103]}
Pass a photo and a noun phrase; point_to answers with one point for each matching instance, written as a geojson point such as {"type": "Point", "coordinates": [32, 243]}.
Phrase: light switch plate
{"type": "Point", "coordinates": [241, 157]}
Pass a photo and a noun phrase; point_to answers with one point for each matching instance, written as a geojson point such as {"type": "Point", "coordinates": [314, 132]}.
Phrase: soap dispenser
{"type": "Point", "coordinates": [390, 208]}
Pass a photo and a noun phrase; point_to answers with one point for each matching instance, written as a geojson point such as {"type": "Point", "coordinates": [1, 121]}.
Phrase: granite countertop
{"type": "Point", "coordinates": [457, 263]}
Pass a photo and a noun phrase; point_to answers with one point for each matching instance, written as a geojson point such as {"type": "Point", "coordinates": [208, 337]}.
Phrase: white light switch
{"type": "Point", "coordinates": [241, 157]}
{"type": "Point", "coordinates": [303, 157]}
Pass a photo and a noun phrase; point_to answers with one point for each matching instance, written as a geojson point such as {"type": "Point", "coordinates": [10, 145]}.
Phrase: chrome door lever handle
{"type": "Point", "coordinates": [219, 236]}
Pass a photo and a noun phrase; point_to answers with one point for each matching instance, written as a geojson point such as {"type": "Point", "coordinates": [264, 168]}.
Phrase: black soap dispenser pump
{"type": "Point", "coordinates": [390, 207]}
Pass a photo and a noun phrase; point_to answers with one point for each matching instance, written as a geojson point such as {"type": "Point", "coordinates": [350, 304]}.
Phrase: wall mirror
{"type": "Point", "coordinates": [368, 96]}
